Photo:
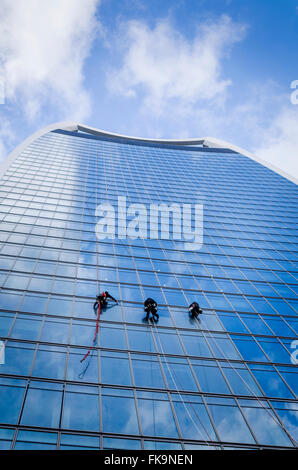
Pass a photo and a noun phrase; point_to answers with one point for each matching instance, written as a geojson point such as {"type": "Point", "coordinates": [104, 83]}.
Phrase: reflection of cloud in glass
{"type": "Point", "coordinates": [230, 424]}
{"type": "Point", "coordinates": [50, 363]}
{"type": "Point", "coordinates": [193, 419]}
{"type": "Point", "coordinates": [265, 428]}
{"type": "Point", "coordinates": [157, 418]}
{"type": "Point", "coordinates": [289, 417]}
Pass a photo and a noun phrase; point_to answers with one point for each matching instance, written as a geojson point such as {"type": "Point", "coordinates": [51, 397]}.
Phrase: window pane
{"type": "Point", "coordinates": [81, 410]}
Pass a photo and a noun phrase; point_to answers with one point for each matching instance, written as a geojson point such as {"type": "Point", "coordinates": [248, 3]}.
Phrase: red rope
{"type": "Point", "coordinates": [96, 331]}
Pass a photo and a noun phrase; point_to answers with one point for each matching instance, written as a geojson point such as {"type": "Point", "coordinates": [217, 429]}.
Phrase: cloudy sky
{"type": "Point", "coordinates": [152, 68]}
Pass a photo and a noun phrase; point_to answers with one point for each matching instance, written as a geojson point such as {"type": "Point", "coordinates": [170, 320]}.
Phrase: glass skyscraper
{"type": "Point", "coordinates": [227, 380]}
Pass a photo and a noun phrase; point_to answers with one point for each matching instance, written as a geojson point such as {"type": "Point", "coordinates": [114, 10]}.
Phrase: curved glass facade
{"type": "Point", "coordinates": [227, 380]}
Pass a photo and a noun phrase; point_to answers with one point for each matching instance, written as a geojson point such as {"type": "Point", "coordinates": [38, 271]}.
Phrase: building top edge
{"type": "Point", "coordinates": [207, 142]}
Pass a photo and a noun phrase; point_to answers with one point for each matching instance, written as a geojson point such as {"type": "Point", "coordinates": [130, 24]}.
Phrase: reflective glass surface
{"type": "Point", "coordinates": [226, 380]}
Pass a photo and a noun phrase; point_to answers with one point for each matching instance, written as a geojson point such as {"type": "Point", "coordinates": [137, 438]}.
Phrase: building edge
{"type": "Point", "coordinates": [72, 126]}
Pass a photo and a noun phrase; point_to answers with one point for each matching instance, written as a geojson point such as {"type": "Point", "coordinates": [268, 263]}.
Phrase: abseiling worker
{"type": "Point", "coordinates": [194, 310]}
{"type": "Point", "coordinates": [150, 306]}
{"type": "Point", "coordinates": [102, 300]}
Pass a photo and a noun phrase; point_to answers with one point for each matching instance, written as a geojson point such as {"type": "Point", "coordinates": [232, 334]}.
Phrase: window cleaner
{"type": "Point", "coordinates": [150, 306]}
{"type": "Point", "coordinates": [194, 310]}
{"type": "Point", "coordinates": [100, 303]}
{"type": "Point", "coordinates": [102, 300]}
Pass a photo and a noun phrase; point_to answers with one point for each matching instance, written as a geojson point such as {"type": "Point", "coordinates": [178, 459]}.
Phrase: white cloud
{"type": "Point", "coordinates": [279, 144]}
{"type": "Point", "coordinates": [166, 66]}
{"type": "Point", "coordinates": [182, 89]}
{"type": "Point", "coordinates": [6, 137]}
{"type": "Point", "coordinates": [43, 48]}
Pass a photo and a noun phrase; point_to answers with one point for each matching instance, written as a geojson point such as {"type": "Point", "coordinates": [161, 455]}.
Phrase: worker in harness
{"type": "Point", "coordinates": [194, 310]}
{"type": "Point", "coordinates": [100, 303]}
{"type": "Point", "coordinates": [102, 300]}
{"type": "Point", "coordinates": [150, 306]}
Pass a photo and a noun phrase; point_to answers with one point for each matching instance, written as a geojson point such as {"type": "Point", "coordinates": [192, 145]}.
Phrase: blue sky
{"type": "Point", "coordinates": [151, 68]}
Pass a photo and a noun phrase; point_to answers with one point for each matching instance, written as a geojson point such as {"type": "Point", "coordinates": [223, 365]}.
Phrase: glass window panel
{"type": "Point", "coordinates": [89, 272]}
{"type": "Point", "coordinates": [83, 309]}
{"type": "Point", "coordinates": [40, 284]}
{"type": "Point", "coordinates": [210, 377]}
{"type": "Point", "coordinates": [86, 289]}
{"type": "Point", "coordinates": [45, 267]}
{"type": "Point", "coordinates": [55, 331]}
{"type": "Point", "coordinates": [36, 440]}
{"type": "Point", "coordinates": [15, 281]}
{"type": "Point", "coordinates": [24, 265]}
{"type": "Point", "coordinates": [33, 446]}
{"type": "Point", "coordinates": [112, 313]}
{"type": "Point", "coordinates": [81, 410]}
{"type": "Point", "coordinates": [240, 380]}
{"type": "Point", "coordinates": [11, 394]}
{"type": "Point", "coordinates": [6, 320]}
{"type": "Point", "coordinates": [279, 327]}
{"type": "Point", "coordinates": [174, 297]}
{"type": "Point", "coordinates": [115, 368]}
{"type": "Point", "coordinates": [222, 346]}
{"type": "Point", "coordinates": [288, 414]}
{"type": "Point", "coordinates": [167, 342]}
{"type": "Point", "coordinates": [119, 414]}
{"type": "Point", "coordinates": [133, 314]}
{"type": "Point", "coordinates": [196, 345]}
{"type": "Point", "coordinates": [6, 436]}
{"type": "Point", "coordinates": [178, 374]}
{"type": "Point", "coordinates": [157, 417]}
{"type": "Point", "coordinates": [78, 441]}
{"type": "Point", "coordinates": [183, 320]}
{"type": "Point", "coordinates": [261, 305]}
{"type": "Point", "coordinates": [82, 333]}
{"type": "Point", "coordinates": [158, 445]}
{"type": "Point", "coordinates": [128, 276]}
{"type": "Point", "coordinates": [86, 371]}
{"type": "Point", "coordinates": [126, 444]}
{"type": "Point", "coordinates": [167, 281]}
{"type": "Point", "coordinates": [232, 323]}
{"type": "Point", "coordinates": [229, 421]}
{"type": "Point", "coordinates": [218, 301]}
{"type": "Point", "coordinates": [289, 374]}
{"type": "Point", "coordinates": [239, 303]}
{"type": "Point", "coordinates": [272, 433]}
{"type": "Point", "coordinates": [282, 307]}
{"type": "Point", "coordinates": [63, 287]}
{"type": "Point", "coordinates": [140, 339]}
{"type": "Point", "coordinates": [148, 278]}
{"type": "Point", "coordinates": [10, 300]}
{"type": "Point", "coordinates": [249, 349]}
{"type": "Point", "coordinates": [59, 306]}
{"type": "Point", "coordinates": [26, 327]}
{"type": "Point", "coordinates": [18, 358]}
{"type": "Point", "coordinates": [49, 362]}
{"type": "Point", "coordinates": [131, 294]}
{"type": "Point", "coordinates": [274, 350]}
{"type": "Point", "coordinates": [193, 418]}
{"type": "Point", "coordinates": [270, 381]}
{"type": "Point", "coordinates": [112, 337]}
{"type": "Point", "coordinates": [147, 372]}
{"type": "Point", "coordinates": [255, 324]}
{"type": "Point", "coordinates": [42, 407]}
{"type": "Point", "coordinates": [34, 303]}
{"type": "Point", "coordinates": [154, 293]}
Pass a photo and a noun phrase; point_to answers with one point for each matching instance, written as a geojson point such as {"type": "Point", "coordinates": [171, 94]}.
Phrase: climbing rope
{"type": "Point", "coordinates": [95, 335]}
